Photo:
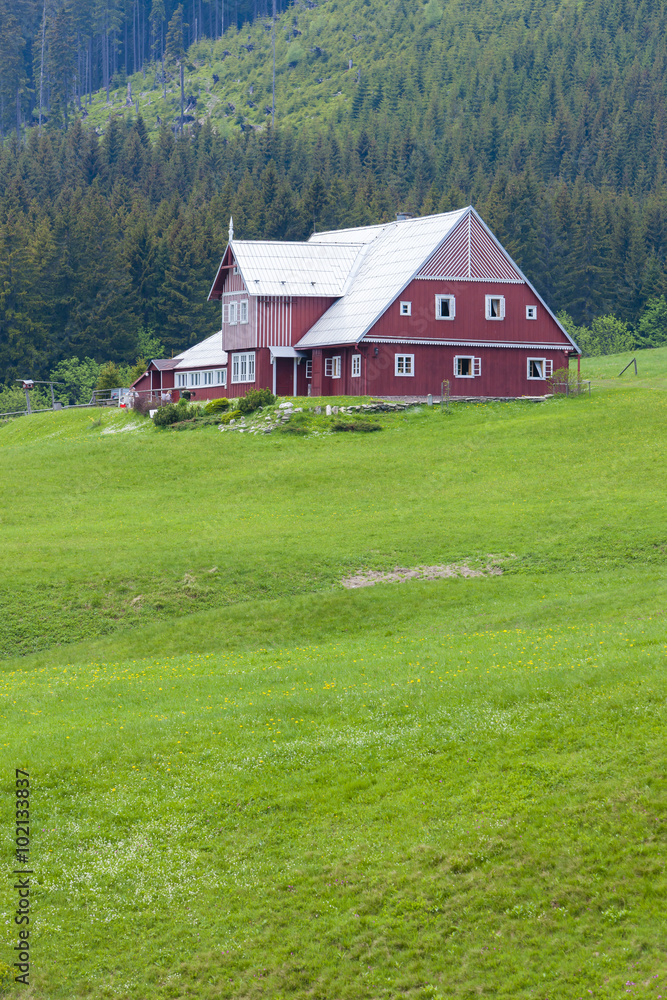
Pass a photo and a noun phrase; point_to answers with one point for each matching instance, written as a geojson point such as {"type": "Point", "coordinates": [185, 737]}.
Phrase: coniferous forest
{"type": "Point", "coordinates": [131, 131]}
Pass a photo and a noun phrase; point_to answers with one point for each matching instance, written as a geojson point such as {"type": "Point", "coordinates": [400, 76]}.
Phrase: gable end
{"type": "Point", "coordinates": [469, 254]}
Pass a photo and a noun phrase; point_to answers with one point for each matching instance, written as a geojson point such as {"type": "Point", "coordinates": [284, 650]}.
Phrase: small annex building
{"type": "Point", "coordinates": [202, 370]}
{"type": "Point", "coordinates": [390, 309]}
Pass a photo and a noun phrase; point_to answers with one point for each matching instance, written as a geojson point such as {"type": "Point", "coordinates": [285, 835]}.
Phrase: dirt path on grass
{"type": "Point", "coordinates": [400, 574]}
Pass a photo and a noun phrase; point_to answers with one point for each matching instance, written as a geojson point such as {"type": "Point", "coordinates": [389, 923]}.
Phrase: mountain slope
{"type": "Point", "coordinates": [578, 93]}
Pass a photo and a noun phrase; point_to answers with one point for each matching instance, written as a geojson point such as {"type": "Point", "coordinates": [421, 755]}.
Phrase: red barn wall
{"type": "Point", "coordinates": [504, 371]}
{"type": "Point", "coordinates": [470, 321]}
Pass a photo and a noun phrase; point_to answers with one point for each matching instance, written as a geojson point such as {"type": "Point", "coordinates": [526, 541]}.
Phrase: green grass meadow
{"type": "Point", "coordinates": [250, 782]}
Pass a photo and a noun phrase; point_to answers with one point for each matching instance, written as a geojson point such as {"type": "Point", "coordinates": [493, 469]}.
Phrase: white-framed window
{"type": "Point", "coordinates": [309, 369]}
{"type": "Point", "coordinates": [404, 364]}
{"type": "Point", "coordinates": [195, 378]}
{"type": "Point", "coordinates": [221, 376]}
{"type": "Point", "coordinates": [531, 312]}
{"type": "Point", "coordinates": [467, 367]}
{"type": "Point", "coordinates": [356, 366]}
{"type": "Point", "coordinates": [181, 380]}
{"type": "Point", "coordinates": [405, 308]}
{"type": "Point", "coordinates": [445, 307]}
{"type": "Point", "coordinates": [332, 367]}
{"type": "Point", "coordinates": [208, 378]}
{"type": "Point", "coordinates": [540, 368]}
{"type": "Point", "coordinates": [233, 313]}
{"type": "Point", "coordinates": [243, 367]}
{"type": "Point", "coordinates": [495, 307]}
{"type": "Point", "coordinates": [243, 311]}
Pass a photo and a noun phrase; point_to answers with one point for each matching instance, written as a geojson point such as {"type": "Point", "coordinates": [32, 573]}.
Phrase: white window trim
{"type": "Point", "coordinates": [547, 369]}
{"type": "Point", "coordinates": [309, 368]}
{"type": "Point", "coordinates": [233, 313]}
{"type": "Point", "coordinates": [243, 311]}
{"type": "Point", "coordinates": [404, 374]}
{"type": "Point", "coordinates": [529, 310]}
{"type": "Point", "coordinates": [475, 366]}
{"type": "Point", "coordinates": [452, 306]}
{"type": "Point", "coordinates": [488, 307]}
{"type": "Point", "coordinates": [238, 360]}
{"type": "Point", "coordinates": [405, 308]}
{"type": "Point", "coordinates": [186, 380]}
{"type": "Point", "coordinates": [332, 366]}
{"type": "Point", "coordinates": [356, 366]}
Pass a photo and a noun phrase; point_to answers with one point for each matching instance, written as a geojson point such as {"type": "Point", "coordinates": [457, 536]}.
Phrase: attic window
{"type": "Point", "coordinates": [236, 270]}
{"type": "Point", "coordinates": [495, 307]}
{"type": "Point", "coordinates": [531, 312]}
{"type": "Point", "coordinates": [243, 311]}
{"type": "Point", "coordinates": [405, 308]}
{"type": "Point", "coordinates": [445, 307]}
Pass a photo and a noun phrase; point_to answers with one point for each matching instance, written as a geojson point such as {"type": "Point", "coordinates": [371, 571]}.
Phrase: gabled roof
{"type": "Point", "coordinates": [164, 364]}
{"type": "Point", "coordinates": [290, 268]}
{"type": "Point", "coordinates": [208, 353]}
{"type": "Point", "coordinates": [457, 245]}
{"type": "Point", "coordinates": [471, 253]}
{"type": "Point", "coordinates": [392, 256]}
{"type": "Point", "coordinates": [359, 234]}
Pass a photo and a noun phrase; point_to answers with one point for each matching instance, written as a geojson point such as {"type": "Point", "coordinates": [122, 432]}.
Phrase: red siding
{"type": "Point", "coordinates": [278, 321]}
{"type": "Point", "coordinates": [470, 252]}
{"type": "Point", "coordinates": [469, 322]}
{"type": "Point", "coordinates": [305, 313]}
{"type": "Point", "coordinates": [503, 371]}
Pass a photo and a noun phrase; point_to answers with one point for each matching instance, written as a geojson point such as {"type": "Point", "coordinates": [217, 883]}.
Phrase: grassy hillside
{"type": "Point", "coordinates": [251, 782]}
{"type": "Point", "coordinates": [651, 368]}
{"type": "Point", "coordinates": [161, 524]}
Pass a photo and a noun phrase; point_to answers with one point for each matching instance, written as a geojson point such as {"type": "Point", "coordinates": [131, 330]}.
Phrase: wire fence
{"type": "Point", "coordinates": [129, 399]}
{"type": "Point", "coordinates": [578, 387]}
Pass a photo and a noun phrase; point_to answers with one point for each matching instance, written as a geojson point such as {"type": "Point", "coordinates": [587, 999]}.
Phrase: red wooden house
{"type": "Point", "coordinates": [202, 370]}
{"type": "Point", "coordinates": [386, 310]}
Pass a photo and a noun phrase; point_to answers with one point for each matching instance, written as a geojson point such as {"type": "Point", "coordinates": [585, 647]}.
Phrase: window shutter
{"type": "Point", "coordinates": [477, 366]}
{"type": "Point", "coordinates": [502, 307]}
{"type": "Point", "coordinates": [456, 367]}
{"type": "Point", "coordinates": [548, 368]}
{"type": "Point", "coordinates": [224, 314]}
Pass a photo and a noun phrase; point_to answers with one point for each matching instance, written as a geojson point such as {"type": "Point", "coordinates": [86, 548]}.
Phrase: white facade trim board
{"type": "Point", "coordinates": [483, 281]}
{"type": "Point", "coordinates": [465, 343]}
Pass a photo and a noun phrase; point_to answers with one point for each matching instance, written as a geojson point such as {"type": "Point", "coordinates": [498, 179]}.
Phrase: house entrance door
{"type": "Point", "coordinates": [284, 376]}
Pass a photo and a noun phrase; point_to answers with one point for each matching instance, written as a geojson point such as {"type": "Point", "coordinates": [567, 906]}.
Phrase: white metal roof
{"type": "Point", "coordinates": [300, 269]}
{"type": "Point", "coordinates": [360, 234]}
{"type": "Point", "coordinates": [392, 255]}
{"type": "Point", "coordinates": [208, 353]}
{"type": "Point", "coordinates": [286, 352]}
